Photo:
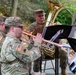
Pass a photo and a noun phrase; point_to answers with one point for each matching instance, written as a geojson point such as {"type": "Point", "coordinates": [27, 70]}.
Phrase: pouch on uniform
{"type": "Point", "coordinates": [22, 48]}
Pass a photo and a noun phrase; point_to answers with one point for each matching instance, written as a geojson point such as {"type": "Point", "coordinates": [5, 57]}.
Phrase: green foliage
{"type": "Point", "coordinates": [64, 17]}
{"type": "Point", "coordinates": [5, 7]}
{"type": "Point", "coordinates": [26, 7]}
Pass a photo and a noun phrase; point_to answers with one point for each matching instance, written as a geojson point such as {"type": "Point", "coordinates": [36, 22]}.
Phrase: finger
{"type": "Point", "coordinates": [39, 35]}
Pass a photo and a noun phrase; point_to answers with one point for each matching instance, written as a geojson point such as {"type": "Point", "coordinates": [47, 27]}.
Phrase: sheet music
{"type": "Point", "coordinates": [55, 36]}
{"type": "Point", "coordinates": [73, 32]}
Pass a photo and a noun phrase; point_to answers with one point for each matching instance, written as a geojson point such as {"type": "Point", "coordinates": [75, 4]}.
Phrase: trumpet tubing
{"type": "Point", "coordinates": [26, 33]}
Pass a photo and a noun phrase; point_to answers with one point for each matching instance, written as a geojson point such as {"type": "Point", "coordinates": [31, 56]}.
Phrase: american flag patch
{"type": "Point", "coordinates": [19, 48]}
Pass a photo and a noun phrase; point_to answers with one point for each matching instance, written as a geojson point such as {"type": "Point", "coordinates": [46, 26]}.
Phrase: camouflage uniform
{"type": "Point", "coordinates": [2, 36]}
{"type": "Point", "coordinates": [15, 55]}
{"type": "Point", "coordinates": [36, 28]}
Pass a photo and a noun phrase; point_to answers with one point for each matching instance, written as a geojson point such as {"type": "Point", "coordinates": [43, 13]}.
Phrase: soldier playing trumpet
{"type": "Point", "coordinates": [15, 56]}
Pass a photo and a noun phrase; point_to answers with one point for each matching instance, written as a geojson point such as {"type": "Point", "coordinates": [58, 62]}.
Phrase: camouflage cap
{"type": "Point", "coordinates": [38, 11]}
{"type": "Point", "coordinates": [13, 21]}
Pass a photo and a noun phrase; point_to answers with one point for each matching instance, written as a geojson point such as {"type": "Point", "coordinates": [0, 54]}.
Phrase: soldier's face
{"type": "Point", "coordinates": [40, 18]}
{"type": "Point", "coordinates": [3, 27]}
{"type": "Point", "coordinates": [18, 31]}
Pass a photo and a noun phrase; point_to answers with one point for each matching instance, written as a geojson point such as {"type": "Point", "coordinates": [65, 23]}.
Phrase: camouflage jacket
{"type": "Point", "coordinates": [2, 36]}
{"type": "Point", "coordinates": [16, 57]}
{"type": "Point", "coordinates": [36, 28]}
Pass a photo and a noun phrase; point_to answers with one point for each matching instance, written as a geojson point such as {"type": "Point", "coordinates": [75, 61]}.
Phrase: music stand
{"type": "Point", "coordinates": [48, 33]}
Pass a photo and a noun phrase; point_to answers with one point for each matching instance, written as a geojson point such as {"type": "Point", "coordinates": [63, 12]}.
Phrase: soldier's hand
{"type": "Point", "coordinates": [38, 38]}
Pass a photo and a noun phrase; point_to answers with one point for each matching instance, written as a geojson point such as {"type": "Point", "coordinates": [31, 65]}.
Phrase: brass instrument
{"type": "Point", "coordinates": [55, 8]}
{"type": "Point", "coordinates": [46, 51]}
{"type": "Point", "coordinates": [47, 41]}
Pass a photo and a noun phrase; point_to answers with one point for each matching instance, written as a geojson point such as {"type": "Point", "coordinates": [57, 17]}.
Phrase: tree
{"type": "Point", "coordinates": [25, 8]}
{"type": "Point", "coordinates": [14, 7]}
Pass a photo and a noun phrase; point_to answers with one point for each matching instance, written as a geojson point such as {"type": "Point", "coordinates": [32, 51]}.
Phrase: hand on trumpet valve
{"type": "Point", "coordinates": [38, 38]}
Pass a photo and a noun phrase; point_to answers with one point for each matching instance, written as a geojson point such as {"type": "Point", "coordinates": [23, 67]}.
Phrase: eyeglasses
{"type": "Point", "coordinates": [21, 27]}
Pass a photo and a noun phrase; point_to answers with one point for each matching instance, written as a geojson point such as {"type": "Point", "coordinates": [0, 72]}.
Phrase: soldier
{"type": "Point", "coordinates": [2, 30]}
{"type": "Point", "coordinates": [14, 54]}
{"type": "Point", "coordinates": [37, 27]}
{"type": "Point", "coordinates": [2, 34]}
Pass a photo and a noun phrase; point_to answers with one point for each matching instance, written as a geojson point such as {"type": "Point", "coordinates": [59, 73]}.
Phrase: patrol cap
{"type": "Point", "coordinates": [13, 21]}
{"type": "Point", "coordinates": [2, 19]}
{"type": "Point", "coordinates": [38, 11]}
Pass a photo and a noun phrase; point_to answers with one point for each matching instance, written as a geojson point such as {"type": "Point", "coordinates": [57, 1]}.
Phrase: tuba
{"type": "Point", "coordinates": [55, 8]}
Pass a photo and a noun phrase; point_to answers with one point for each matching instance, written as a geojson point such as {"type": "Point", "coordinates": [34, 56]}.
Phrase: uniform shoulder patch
{"type": "Point", "coordinates": [21, 49]}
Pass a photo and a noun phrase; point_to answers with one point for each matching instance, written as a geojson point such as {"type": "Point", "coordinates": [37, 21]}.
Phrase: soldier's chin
{"type": "Point", "coordinates": [42, 21]}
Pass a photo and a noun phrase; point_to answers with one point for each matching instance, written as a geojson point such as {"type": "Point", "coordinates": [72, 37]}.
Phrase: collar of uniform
{"type": "Point", "coordinates": [40, 24]}
{"type": "Point", "coordinates": [9, 35]}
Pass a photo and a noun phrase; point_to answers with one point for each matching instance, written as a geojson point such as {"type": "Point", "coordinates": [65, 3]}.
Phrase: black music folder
{"type": "Point", "coordinates": [56, 32]}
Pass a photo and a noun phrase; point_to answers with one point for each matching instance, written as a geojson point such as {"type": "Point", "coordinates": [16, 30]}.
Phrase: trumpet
{"type": "Point", "coordinates": [47, 41]}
